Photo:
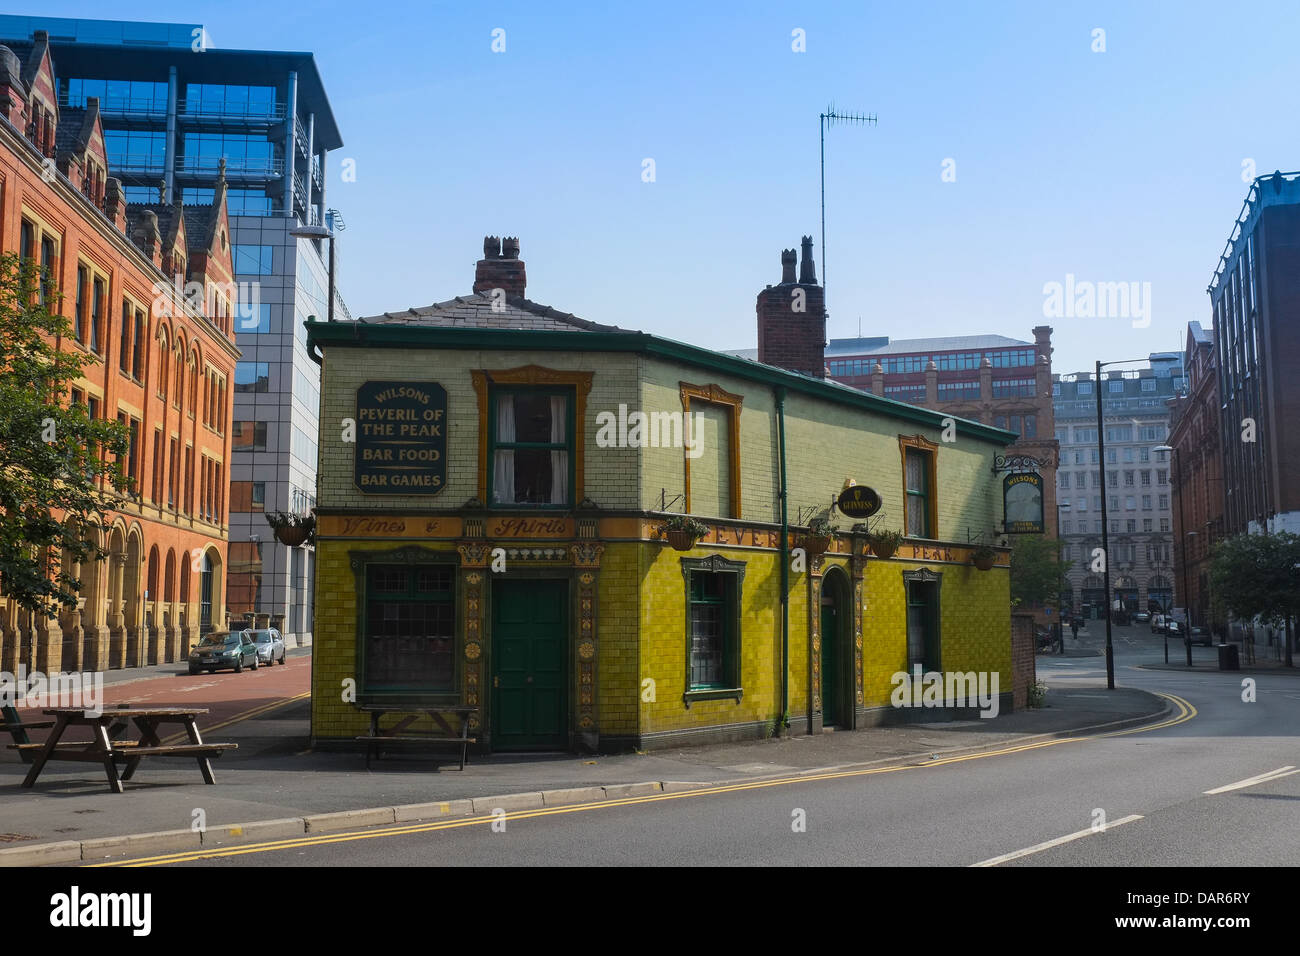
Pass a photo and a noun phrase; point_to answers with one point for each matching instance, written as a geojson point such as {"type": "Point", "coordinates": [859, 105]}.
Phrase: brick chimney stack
{"type": "Point", "coordinates": [500, 267]}
{"type": "Point", "coordinates": [792, 318]}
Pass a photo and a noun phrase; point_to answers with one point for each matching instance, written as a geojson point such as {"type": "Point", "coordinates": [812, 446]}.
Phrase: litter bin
{"type": "Point", "coordinates": [1228, 660]}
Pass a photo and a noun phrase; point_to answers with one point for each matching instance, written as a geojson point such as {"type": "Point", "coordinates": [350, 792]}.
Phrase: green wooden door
{"type": "Point", "coordinates": [830, 662]}
{"type": "Point", "coordinates": [529, 636]}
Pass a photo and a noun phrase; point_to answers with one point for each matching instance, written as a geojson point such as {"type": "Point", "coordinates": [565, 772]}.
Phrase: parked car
{"type": "Point", "coordinates": [1141, 617]}
{"type": "Point", "coordinates": [1201, 636]}
{"type": "Point", "coordinates": [224, 649]}
{"type": "Point", "coordinates": [270, 646]}
{"type": "Point", "coordinates": [1157, 623]}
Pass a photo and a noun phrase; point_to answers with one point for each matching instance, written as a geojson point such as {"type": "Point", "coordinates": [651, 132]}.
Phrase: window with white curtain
{"type": "Point", "coordinates": [531, 447]}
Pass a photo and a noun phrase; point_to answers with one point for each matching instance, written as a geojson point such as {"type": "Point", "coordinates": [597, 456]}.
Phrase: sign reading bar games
{"type": "Point", "coordinates": [1022, 503]}
{"type": "Point", "coordinates": [401, 438]}
{"type": "Point", "coordinates": [858, 501]}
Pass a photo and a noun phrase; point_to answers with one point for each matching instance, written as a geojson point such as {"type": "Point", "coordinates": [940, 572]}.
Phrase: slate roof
{"type": "Point", "coordinates": [475, 311]}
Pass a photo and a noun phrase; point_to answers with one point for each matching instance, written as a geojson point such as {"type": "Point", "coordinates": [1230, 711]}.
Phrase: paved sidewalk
{"type": "Point", "coordinates": [274, 777]}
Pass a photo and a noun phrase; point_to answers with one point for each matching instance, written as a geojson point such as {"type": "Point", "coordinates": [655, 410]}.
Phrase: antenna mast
{"type": "Point", "coordinates": [830, 118]}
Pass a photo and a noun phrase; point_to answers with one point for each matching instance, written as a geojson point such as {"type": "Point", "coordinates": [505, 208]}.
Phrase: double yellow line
{"type": "Point", "coordinates": [1185, 713]}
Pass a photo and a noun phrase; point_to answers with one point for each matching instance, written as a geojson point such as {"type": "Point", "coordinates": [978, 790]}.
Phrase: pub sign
{"type": "Point", "coordinates": [1022, 503]}
{"type": "Point", "coordinates": [401, 438]}
{"type": "Point", "coordinates": [858, 501]}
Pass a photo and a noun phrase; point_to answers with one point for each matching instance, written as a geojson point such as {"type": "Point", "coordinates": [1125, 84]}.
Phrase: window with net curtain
{"type": "Point", "coordinates": [531, 453]}
{"type": "Point", "coordinates": [918, 493]}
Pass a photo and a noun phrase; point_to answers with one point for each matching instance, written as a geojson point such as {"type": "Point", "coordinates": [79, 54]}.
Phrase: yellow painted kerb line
{"type": "Point", "coordinates": [1185, 713]}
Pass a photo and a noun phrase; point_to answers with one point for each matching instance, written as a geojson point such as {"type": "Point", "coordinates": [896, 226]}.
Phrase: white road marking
{"type": "Point", "coordinates": [1040, 847]}
{"type": "Point", "coordinates": [1277, 774]}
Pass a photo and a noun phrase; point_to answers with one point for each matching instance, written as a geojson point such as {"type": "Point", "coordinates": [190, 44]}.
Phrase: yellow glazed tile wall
{"type": "Point", "coordinates": [975, 623]}
{"type": "Point", "coordinates": [664, 646]}
{"type": "Point", "coordinates": [618, 674]}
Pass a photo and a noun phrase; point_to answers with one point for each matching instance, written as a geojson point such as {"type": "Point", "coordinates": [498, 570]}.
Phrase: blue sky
{"type": "Point", "coordinates": [1116, 166]}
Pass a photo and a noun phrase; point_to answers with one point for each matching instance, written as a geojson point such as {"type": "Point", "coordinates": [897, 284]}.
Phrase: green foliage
{"type": "Point", "coordinates": [1037, 694]}
{"type": "Point", "coordinates": [52, 456]}
{"type": "Point", "coordinates": [1037, 571]}
{"type": "Point", "coordinates": [820, 526]}
{"type": "Point", "coordinates": [686, 523]}
{"type": "Point", "coordinates": [1257, 575]}
{"type": "Point", "coordinates": [884, 542]}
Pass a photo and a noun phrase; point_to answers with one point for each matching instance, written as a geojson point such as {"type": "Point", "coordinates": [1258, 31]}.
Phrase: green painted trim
{"type": "Point", "coordinates": [359, 335]}
{"type": "Point", "coordinates": [733, 693]}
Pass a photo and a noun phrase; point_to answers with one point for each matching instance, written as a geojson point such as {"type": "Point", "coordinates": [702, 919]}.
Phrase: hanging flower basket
{"type": "Point", "coordinates": [291, 529]}
{"type": "Point", "coordinates": [816, 544]}
{"type": "Point", "coordinates": [819, 537]}
{"type": "Point", "coordinates": [984, 558]}
{"type": "Point", "coordinates": [884, 544]}
{"type": "Point", "coordinates": [683, 531]}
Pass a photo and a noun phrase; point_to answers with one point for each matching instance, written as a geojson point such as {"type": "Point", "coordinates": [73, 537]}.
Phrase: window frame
{"type": "Point", "coordinates": [918, 444]}
{"type": "Point", "coordinates": [484, 380]}
{"type": "Point", "coordinates": [495, 395]}
{"type": "Point", "coordinates": [733, 659]}
{"type": "Point", "coordinates": [413, 558]}
{"type": "Point", "coordinates": [715, 395]}
{"type": "Point", "coordinates": [924, 576]}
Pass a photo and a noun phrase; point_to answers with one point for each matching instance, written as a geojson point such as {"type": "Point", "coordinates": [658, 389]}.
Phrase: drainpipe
{"type": "Point", "coordinates": [785, 563]}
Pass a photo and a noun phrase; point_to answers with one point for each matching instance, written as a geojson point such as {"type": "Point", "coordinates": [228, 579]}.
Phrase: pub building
{"type": "Point", "coordinates": [496, 484]}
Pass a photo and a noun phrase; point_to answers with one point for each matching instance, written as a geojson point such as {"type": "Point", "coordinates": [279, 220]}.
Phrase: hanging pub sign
{"type": "Point", "coordinates": [401, 438]}
{"type": "Point", "coordinates": [1022, 503]}
{"type": "Point", "coordinates": [858, 501]}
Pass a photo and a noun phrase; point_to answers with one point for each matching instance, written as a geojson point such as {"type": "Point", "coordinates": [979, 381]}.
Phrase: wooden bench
{"type": "Point", "coordinates": [377, 741]}
{"type": "Point", "coordinates": [12, 722]}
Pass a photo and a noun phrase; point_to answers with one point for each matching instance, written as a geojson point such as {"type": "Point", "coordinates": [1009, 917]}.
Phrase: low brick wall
{"type": "Point", "coordinates": [1023, 669]}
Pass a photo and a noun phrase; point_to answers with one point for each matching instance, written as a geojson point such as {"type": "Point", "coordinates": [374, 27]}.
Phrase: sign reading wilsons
{"type": "Point", "coordinates": [1022, 503]}
{"type": "Point", "coordinates": [401, 438]}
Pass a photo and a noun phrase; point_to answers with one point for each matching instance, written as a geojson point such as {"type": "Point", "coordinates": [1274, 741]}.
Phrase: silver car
{"type": "Point", "coordinates": [270, 646]}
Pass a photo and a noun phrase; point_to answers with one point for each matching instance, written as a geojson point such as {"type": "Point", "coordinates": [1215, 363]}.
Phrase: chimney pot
{"type": "Point", "coordinates": [787, 265]}
{"type": "Point", "coordinates": [807, 269]}
{"type": "Point", "coordinates": [500, 267]}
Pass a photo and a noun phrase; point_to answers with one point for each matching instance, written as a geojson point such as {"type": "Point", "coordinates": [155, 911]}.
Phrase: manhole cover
{"type": "Point", "coordinates": [14, 837]}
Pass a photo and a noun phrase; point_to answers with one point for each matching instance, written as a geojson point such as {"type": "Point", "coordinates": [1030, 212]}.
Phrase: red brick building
{"type": "Point", "coordinates": [163, 360]}
{"type": "Point", "coordinates": [1197, 475]}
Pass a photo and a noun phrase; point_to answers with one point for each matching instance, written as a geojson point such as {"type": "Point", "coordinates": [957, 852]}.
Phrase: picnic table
{"type": "Point", "coordinates": [456, 738]}
{"type": "Point", "coordinates": [108, 747]}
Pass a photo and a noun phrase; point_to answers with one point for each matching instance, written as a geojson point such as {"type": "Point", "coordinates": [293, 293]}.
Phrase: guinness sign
{"type": "Point", "coordinates": [858, 501]}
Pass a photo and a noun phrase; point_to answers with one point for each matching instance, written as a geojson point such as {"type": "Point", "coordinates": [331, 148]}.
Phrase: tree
{"type": "Point", "coordinates": [1258, 576]}
{"type": "Point", "coordinates": [60, 472]}
{"type": "Point", "coordinates": [1037, 571]}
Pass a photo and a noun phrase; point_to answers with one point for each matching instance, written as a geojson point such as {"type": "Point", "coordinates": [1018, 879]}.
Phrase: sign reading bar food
{"type": "Point", "coordinates": [401, 438]}
{"type": "Point", "coordinates": [1022, 503]}
{"type": "Point", "coordinates": [858, 501]}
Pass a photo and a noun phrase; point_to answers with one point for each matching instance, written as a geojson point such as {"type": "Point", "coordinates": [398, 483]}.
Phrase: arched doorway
{"type": "Point", "coordinates": [170, 633]}
{"type": "Point", "coordinates": [152, 619]}
{"type": "Point", "coordinates": [837, 672]}
{"type": "Point", "coordinates": [211, 593]}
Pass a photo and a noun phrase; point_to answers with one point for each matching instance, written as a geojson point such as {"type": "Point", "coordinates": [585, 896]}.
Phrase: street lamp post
{"type": "Point", "coordinates": [1105, 536]}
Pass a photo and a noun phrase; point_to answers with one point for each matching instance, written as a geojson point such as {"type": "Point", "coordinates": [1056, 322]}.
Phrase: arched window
{"type": "Point", "coordinates": [194, 381]}
{"type": "Point", "coordinates": [164, 363]}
